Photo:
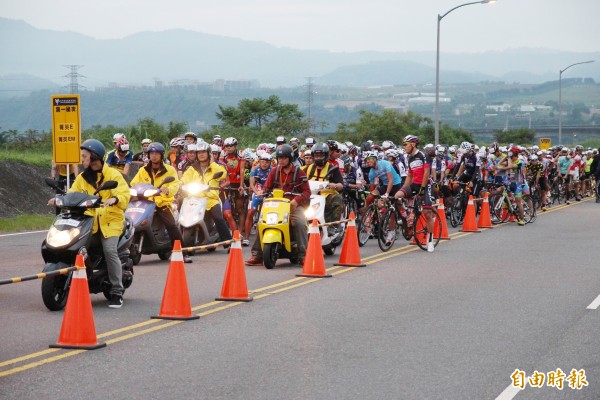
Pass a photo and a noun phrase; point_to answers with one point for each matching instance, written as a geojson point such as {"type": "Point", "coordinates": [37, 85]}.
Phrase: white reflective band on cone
{"type": "Point", "coordinates": [351, 223]}
{"type": "Point", "coordinates": [237, 244]}
{"type": "Point", "coordinates": [80, 274]}
{"type": "Point", "coordinates": [314, 229]}
{"type": "Point", "coordinates": [177, 256]}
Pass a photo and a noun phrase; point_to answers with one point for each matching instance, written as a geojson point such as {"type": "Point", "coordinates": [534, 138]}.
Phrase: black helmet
{"type": "Point", "coordinates": [95, 147]}
{"type": "Point", "coordinates": [284, 150]}
{"type": "Point", "coordinates": [320, 149]}
{"type": "Point", "coordinates": [157, 148]}
{"type": "Point", "coordinates": [333, 145]}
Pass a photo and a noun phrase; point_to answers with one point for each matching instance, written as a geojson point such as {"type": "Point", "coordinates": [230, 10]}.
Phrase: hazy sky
{"type": "Point", "coordinates": [336, 25]}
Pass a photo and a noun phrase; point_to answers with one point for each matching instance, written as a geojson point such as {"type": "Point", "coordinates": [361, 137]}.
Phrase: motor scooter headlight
{"type": "Point", "coordinates": [272, 219]}
{"type": "Point", "coordinates": [151, 192]}
{"type": "Point", "coordinates": [56, 238]}
{"type": "Point", "coordinates": [311, 211]}
{"type": "Point", "coordinates": [193, 188]}
{"type": "Point", "coordinates": [58, 202]}
{"type": "Point", "coordinates": [133, 192]}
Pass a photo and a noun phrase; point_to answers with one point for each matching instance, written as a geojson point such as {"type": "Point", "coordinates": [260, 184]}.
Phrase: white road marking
{"type": "Point", "coordinates": [21, 233]}
{"type": "Point", "coordinates": [509, 393]}
{"type": "Point", "coordinates": [594, 305]}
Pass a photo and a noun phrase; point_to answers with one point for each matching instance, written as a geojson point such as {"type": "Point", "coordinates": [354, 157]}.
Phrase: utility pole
{"type": "Point", "coordinates": [74, 86]}
{"type": "Point", "coordinates": [309, 100]}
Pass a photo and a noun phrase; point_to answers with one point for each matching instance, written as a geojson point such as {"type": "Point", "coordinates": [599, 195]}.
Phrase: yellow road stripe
{"type": "Point", "coordinates": [41, 362]}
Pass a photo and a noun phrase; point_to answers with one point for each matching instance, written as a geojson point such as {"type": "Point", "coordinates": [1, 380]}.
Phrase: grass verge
{"type": "Point", "coordinates": [39, 158]}
{"type": "Point", "coordinates": [27, 222]}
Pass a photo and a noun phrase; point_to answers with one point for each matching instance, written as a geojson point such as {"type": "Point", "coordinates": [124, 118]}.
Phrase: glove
{"type": "Point", "coordinates": [164, 190]}
{"type": "Point", "coordinates": [384, 196]}
{"type": "Point", "coordinates": [110, 202]}
{"type": "Point", "coordinates": [421, 190]}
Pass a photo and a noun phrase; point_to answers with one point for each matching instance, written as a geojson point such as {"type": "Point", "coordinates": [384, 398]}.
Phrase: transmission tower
{"type": "Point", "coordinates": [74, 86]}
{"type": "Point", "coordinates": [309, 99]}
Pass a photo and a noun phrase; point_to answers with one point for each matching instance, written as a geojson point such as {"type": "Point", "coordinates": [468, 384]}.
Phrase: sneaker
{"type": "Point", "coordinates": [187, 259]}
{"type": "Point", "coordinates": [430, 247]}
{"type": "Point", "coordinates": [567, 202]}
{"type": "Point", "coordinates": [577, 199]}
{"type": "Point", "coordinates": [544, 208]}
{"type": "Point", "coordinates": [245, 242]}
{"type": "Point", "coordinates": [390, 237]}
{"type": "Point", "coordinates": [116, 301]}
{"type": "Point", "coordinates": [521, 222]}
{"type": "Point", "coordinates": [254, 261]}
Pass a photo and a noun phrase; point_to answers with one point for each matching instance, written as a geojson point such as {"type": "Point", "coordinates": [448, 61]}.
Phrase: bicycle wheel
{"type": "Point", "coordinates": [386, 236]}
{"type": "Point", "coordinates": [422, 232]}
{"type": "Point", "coordinates": [499, 209]}
{"type": "Point", "coordinates": [456, 212]}
{"type": "Point", "coordinates": [365, 228]}
{"type": "Point", "coordinates": [529, 213]}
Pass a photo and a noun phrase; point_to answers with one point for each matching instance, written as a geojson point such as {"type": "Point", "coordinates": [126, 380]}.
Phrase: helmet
{"type": "Point", "coordinates": [493, 147]}
{"type": "Point", "coordinates": [177, 142]}
{"type": "Point", "coordinates": [411, 139]}
{"type": "Point", "coordinates": [309, 141]}
{"type": "Point", "coordinates": [440, 150]}
{"type": "Point", "coordinates": [190, 147]}
{"type": "Point", "coordinates": [533, 157]}
{"type": "Point", "coordinates": [465, 146]}
{"type": "Point", "coordinates": [146, 141]}
{"type": "Point", "coordinates": [248, 155]}
{"type": "Point", "coordinates": [192, 134]}
{"type": "Point", "coordinates": [122, 144]}
{"type": "Point", "coordinates": [515, 150]}
{"type": "Point", "coordinates": [157, 148]}
{"type": "Point", "coordinates": [392, 153]}
{"type": "Point", "coordinates": [308, 152]}
{"type": "Point", "coordinates": [345, 159]}
{"type": "Point", "coordinates": [349, 144]}
{"type": "Point", "coordinates": [429, 148]}
{"type": "Point", "coordinates": [280, 140]}
{"type": "Point", "coordinates": [387, 144]}
{"type": "Point", "coordinates": [203, 147]}
{"type": "Point", "coordinates": [343, 148]}
{"type": "Point", "coordinates": [230, 141]}
{"type": "Point", "coordinates": [271, 147]}
{"type": "Point", "coordinates": [295, 140]}
{"type": "Point", "coordinates": [320, 148]}
{"type": "Point", "coordinates": [265, 156]}
{"type": "Point", "coordinates": [217, 137]}
{"type": "Point", "coordinates": [95, 147]}
{"type": "Point", "coordinates": [333, 145]}
{"type": "Point", "coordinates": [284, 150]}
{"type": "Point", "coordinates": [369, 154]}
{"type": "Point", "coordinates": [352, 149]}
{"type": "Point", "coordinates": [579, 148]}
{"type": "Point", "coordinates": [217, 140]}
{"type": "Point", "coordinates": [215, 148]}
{"type": "Point", "coordinates": [117, 136]}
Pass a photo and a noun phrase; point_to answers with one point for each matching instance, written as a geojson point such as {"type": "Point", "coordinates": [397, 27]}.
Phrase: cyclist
{"type": "Point", "coordinates": [417, 182]}
{"type": "Point", "coordinates": [121, 157]}
{"type": "Point", "coordinates": [203, 171]}
{"type": "Point", "coordinates": [108, 220]}
{"type": "Point", "coordinates": [176, 153]}
{"type": "Point", "coordinates": [516, 178]}
{"type": "Point", "coordinates": [258, 177]}
{"type": "Point", "coordinates": [595, 168]}
{"type": "Point", "coordinates": [290, 179]}
{"type": "Point", "coordinates": [322, 170]}
{"type": "Point", "coordinates": [536, 178]}
{"type": "Point", "coordinates": [190, 158]}
{"type": "Point", "coordinates": [310, 142]}
{"type": "Point", "coordinates": [308, 158]}
{"type": "Point", "coordinates": [235, 165]}
{"type": "Point", "coordinates": [60, 171]}
{"type": "Point", "coordinates": [216, 152]}
{"type": "Point", "coordinates": [190, 138]}
{"type": "Point", "coordinates": [155, 173]}
{"type": "Point", "coordinates": [563, 163]}
{"type": "Point", "coordinates": [141, 158]}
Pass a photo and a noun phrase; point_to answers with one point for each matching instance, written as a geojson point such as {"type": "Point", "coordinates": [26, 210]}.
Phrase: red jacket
{"type": "Point", "coordinates": [285, 182]}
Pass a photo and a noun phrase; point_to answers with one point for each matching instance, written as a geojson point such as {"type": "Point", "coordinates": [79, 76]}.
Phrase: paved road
{"type": "Point", "coordinates": [454, 324]}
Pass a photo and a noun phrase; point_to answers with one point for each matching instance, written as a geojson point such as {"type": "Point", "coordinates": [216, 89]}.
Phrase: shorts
{"type": "Point", "coordinates": [519, 189]}
{"type": "Point", "coordinates": [256, 202]}
{"type": "Point", "coordinates": [575, 175]}
{"type": "Point", "coordinates": [383, 188]}
{"type": "Point", "coordinates": [226, 205]}
{"type": "Point", "coordinates": [414, 188]}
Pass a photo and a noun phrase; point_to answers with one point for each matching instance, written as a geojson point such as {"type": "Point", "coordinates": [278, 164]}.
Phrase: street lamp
{"type": "Point", "coordinates": [437, 68]}
{"type": "Point", "coordinates": [560, 98]}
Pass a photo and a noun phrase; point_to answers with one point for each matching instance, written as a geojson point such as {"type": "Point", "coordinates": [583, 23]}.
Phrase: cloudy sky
{"type": "Point", "coordinates": [335, 25]}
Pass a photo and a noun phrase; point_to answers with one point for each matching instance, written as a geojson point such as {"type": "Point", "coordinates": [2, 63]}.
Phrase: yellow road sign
{"type": "Point", "coordinates": [545, 143]}
{"type": "Point", "coordinates": [66, 129]}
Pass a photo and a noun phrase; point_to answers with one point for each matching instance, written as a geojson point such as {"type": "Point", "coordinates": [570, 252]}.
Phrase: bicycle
{"type": "Point", "coordinates": [459, 204]}
{"type": "Point", "coordinates": [368, 223]}
{"type": "Point", "coordinates": [503, 206]}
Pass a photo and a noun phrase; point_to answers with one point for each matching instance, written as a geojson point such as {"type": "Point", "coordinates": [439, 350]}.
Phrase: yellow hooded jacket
{"type": "Point", "coordinates": [194, 174]}
{"type": "Point", "coordinates": [109, 219]}
{"type": "Point", "coordinates": [148, 175]}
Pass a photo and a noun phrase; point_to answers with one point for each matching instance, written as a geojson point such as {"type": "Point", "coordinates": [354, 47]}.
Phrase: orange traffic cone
{"type": "Point", "coordinates": [350, 255]}
{"type": "Point", "coordinates": [234, 284]}
{"type": "Point", "coordinates": [469, 224]}
{"type": "Point", "coordinates": [442, 216]}
{"type": "Point", "coordinates": [485, 218]}
{"type": "Point", "coordinates": [314, 262]}
{"type": "Point", "coordinates": [176, 298]}
{"type": "Point", "coordinates": [78, 330]}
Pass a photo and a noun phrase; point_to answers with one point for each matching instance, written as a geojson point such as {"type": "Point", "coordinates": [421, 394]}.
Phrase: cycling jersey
{"type": "Point", "coordinates": [417, 164]}
{"type": "Point", "coordinates": [381, 170]}
{"type": "Point", "coordinates": [117, 161]}
{"type": "Point", "coordinates": [233, 164]}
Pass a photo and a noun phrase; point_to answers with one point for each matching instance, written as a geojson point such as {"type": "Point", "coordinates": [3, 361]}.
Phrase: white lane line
{"type": "Point", "coordinates": [21, 233]}
{"type": "Point", "coordinates": [509, 393]}
{"type": "Point", "coordinates": [594, 305]}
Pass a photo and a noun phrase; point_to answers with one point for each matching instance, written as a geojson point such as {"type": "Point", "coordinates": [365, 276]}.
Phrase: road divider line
{"type": "Point", "coordinates": [594, 304]}
{"type": "Point", "coordinates": [509, 393]}
{"type": "Point", "coordinates": [40, 363]}
{"type": "Point", "coordinates": [28, 357]}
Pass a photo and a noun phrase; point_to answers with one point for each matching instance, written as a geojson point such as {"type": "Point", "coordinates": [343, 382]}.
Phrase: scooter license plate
{"type": "Point", "coordinates": [193, 202]}
{"type": "Point", "coordinates": [70, 222]}
{"type": "Point", "coordinates": [270, 204]}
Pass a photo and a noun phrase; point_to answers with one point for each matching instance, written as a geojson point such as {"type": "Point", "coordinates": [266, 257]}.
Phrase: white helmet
{"type": "Point", "coordinates": [387, 144]}
{"type": "Point", "coordinates": [265, 156]}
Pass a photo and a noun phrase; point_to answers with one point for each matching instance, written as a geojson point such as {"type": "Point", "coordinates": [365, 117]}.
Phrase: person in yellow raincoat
{"type": "Point", "coordinates": [155, 173]}
{"type": "Point", "coordinates": [108, 220]}
{"type": "Point", "coordinates": [203, 171]}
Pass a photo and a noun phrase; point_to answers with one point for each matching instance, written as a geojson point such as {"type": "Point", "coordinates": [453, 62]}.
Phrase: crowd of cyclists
{"type": "Point", "coordinates": [357, 176]}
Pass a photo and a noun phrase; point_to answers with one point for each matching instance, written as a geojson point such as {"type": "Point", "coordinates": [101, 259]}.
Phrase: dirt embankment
{"type": "Point", "coordinates": [23, 190]}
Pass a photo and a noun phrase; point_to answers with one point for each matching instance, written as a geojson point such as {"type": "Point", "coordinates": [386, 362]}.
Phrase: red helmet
{"type": "Point", "coordinates": [515, 150]}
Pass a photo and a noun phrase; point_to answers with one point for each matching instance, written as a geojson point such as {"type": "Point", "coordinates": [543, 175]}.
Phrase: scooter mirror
{"type": "Point", "coordinates": [107, 186]}
{"type": "Point", "coordinates": [168, 179]}
{"type": "Point", "coordinates": [217, 175]}
{"type": "Point", "coordinates": [51, 182]}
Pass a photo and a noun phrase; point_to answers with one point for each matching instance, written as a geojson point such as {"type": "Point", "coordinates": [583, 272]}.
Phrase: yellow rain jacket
{"type": "Point", "coordinates": [148, 175]}
{"type": "Point", "coordinates": [109, 219]}
{"type": "Point", "coordinates": [194, 174]}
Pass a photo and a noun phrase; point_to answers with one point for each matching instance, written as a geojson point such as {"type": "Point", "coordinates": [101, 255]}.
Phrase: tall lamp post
{"type": "Point", "coordinates": [437, 67]}
{"type": "Point", "coordinates": [560, 110]}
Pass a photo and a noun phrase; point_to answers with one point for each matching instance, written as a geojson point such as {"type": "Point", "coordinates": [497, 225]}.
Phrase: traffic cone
{"type": "Point", "coordinates": [314, 262]}
{"type": "Point", "coordinates": [176, 298]}
{"type": "Point", "coordinates": [234, 284]}
{"type": "Point", "coordinates": [442, 216]}
{"type": "Point", "coordinates": [350, 255]}
{"type": "Point", "coordinates": [78, 330]}
{"type": "Point", "coordinates": [469, 224]}
{"type": "Point", "coordinates": [485, 218]}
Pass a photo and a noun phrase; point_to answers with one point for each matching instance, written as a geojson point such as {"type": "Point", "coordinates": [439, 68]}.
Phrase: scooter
{"type": "Point", "coordinates": [194, 229]}
{"type": "Point", "coordinates": [316, 210]}
{"type": "Point", "coordinates": [69, 235]}
{"type": "Point", "coordinates": [151, 236]}
{"type": "Point", "coordinates": [274, 229]}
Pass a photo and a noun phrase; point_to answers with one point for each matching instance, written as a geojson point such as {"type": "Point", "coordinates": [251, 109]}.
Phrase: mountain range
{"type": "Point", "coordinates": [35, 59]}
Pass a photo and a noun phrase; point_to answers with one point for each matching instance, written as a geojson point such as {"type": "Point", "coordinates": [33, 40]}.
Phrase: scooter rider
{"type": "Point", "coordinates": [108, 220]}
{"type": "Point", "coordinates": [288, 178]}
{"type": "Point", "coordinates": [322, 170]}
{"type": "Point", "coordinates": [203, 171]}
{"type": "Point", "coordinates": [155, 173]}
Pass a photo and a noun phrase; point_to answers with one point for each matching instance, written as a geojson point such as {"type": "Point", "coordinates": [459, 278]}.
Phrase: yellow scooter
{"type": "Point", "coordinates": [274, 229]}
